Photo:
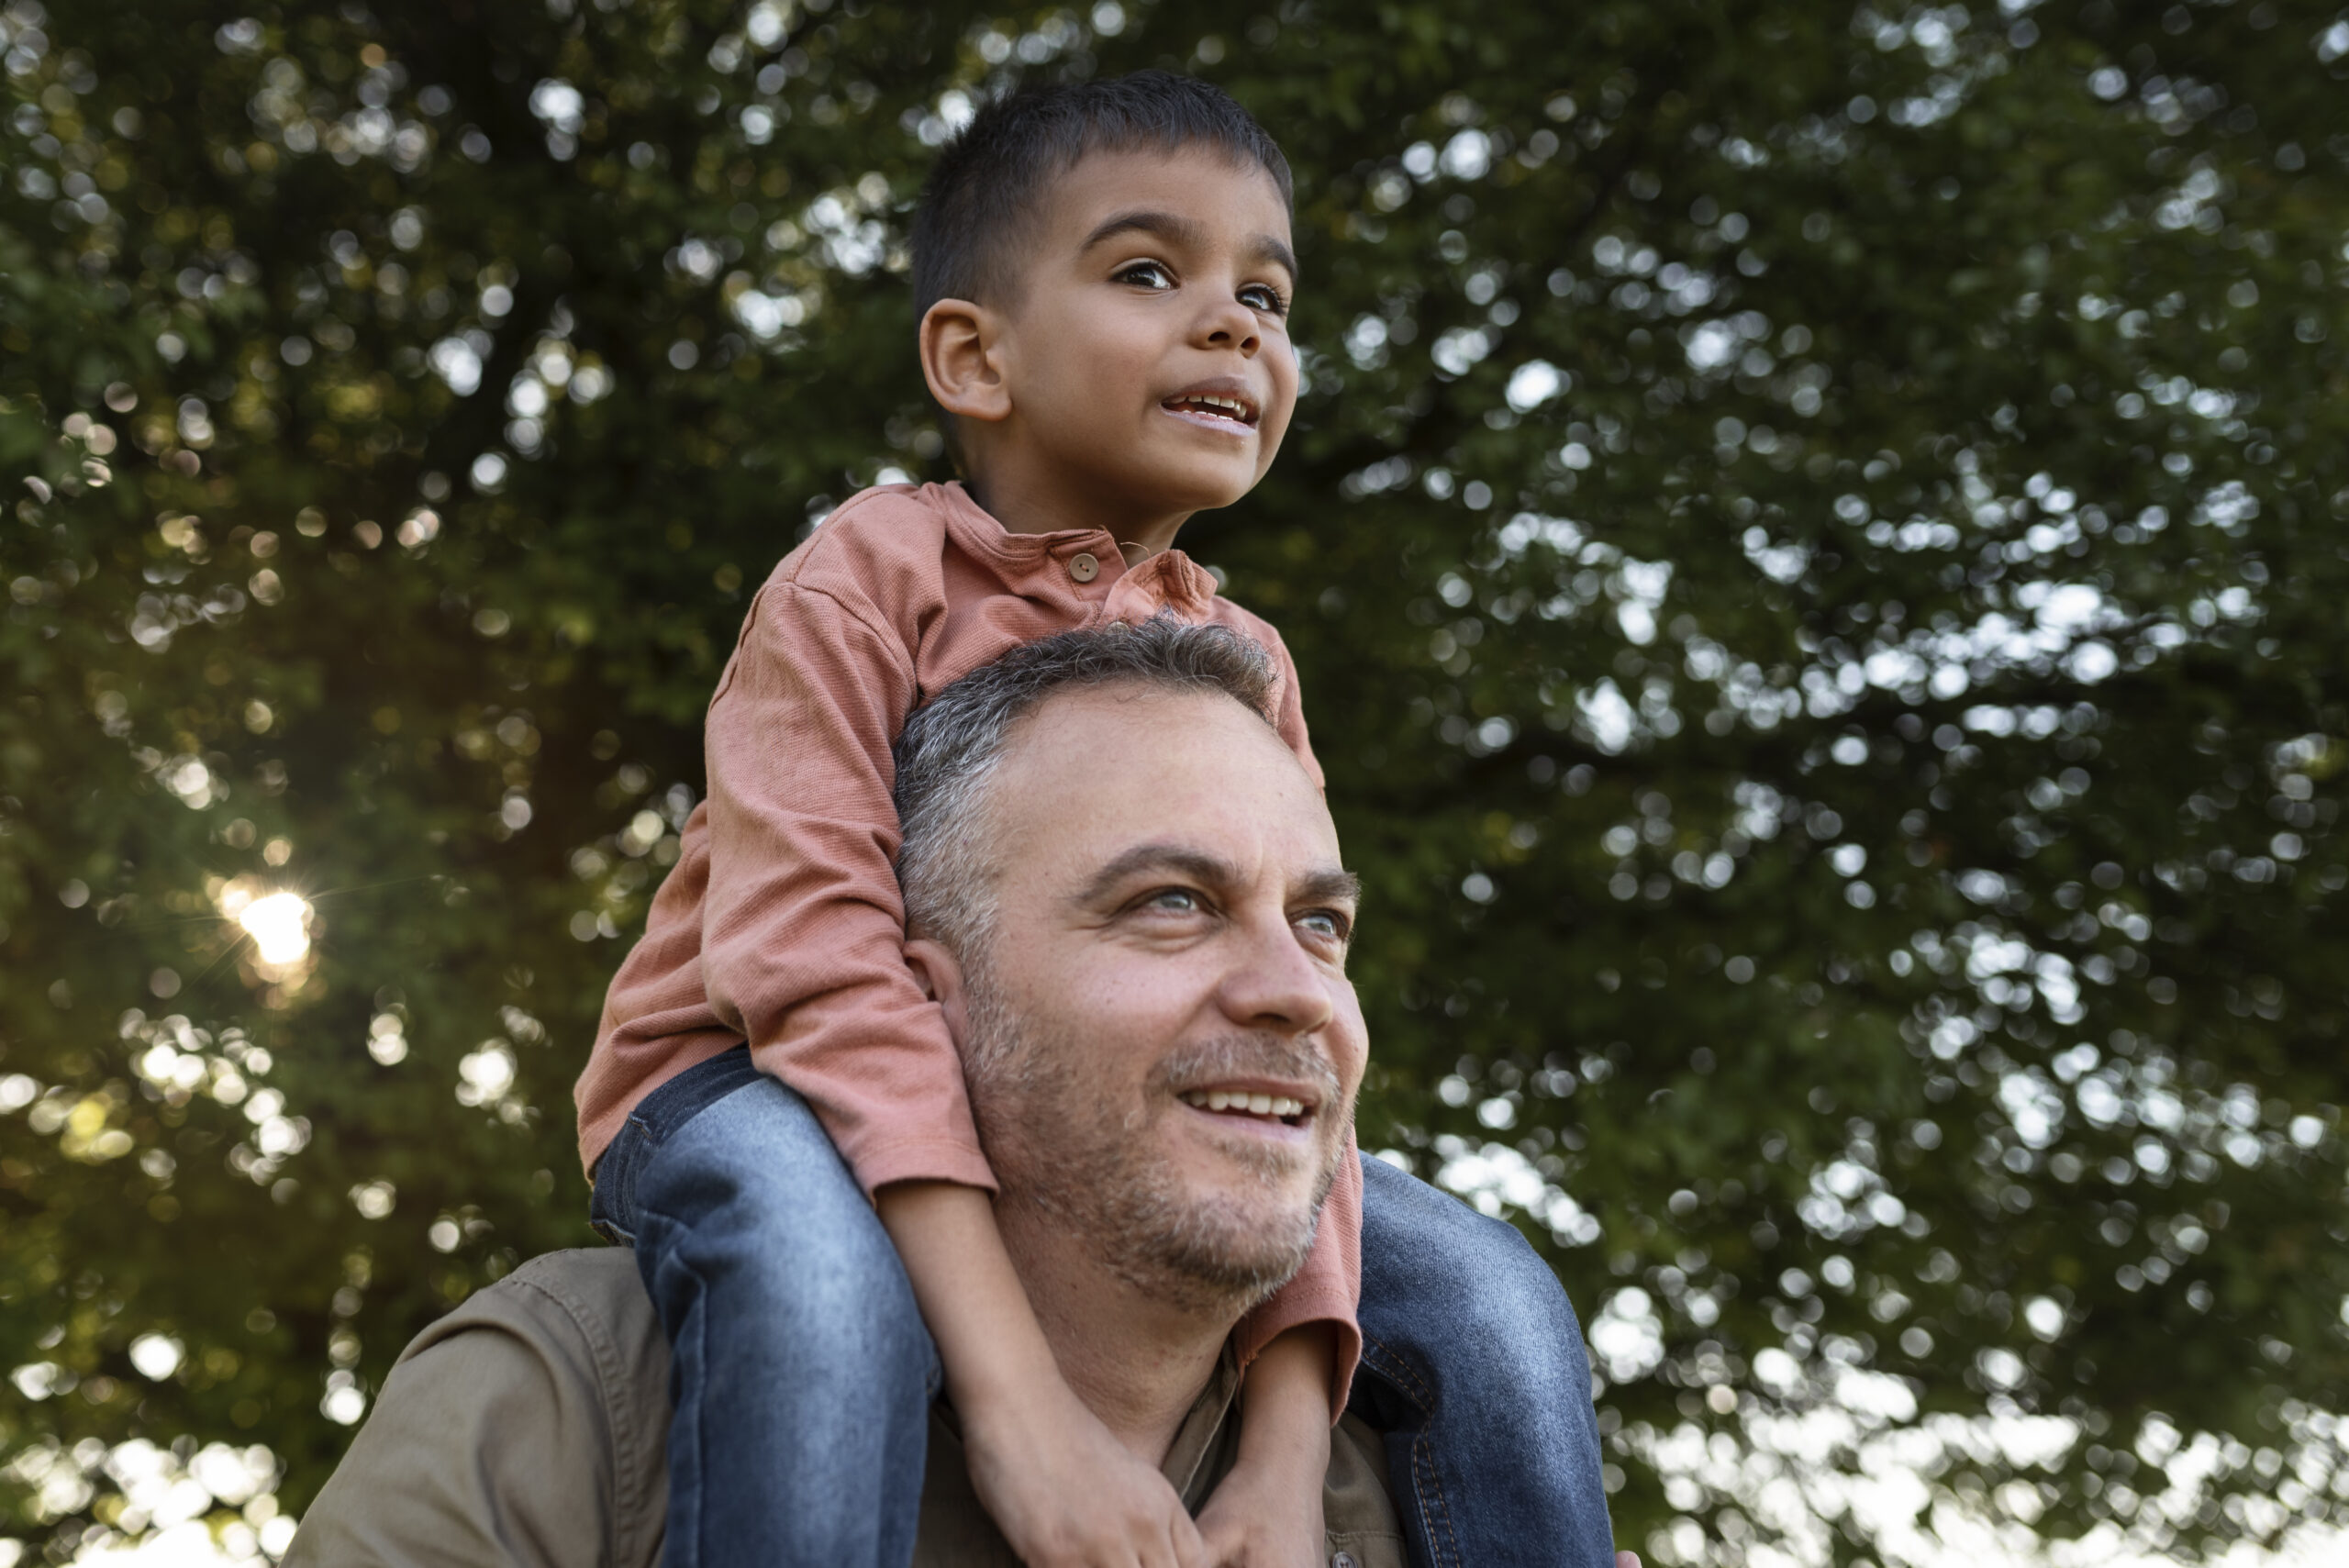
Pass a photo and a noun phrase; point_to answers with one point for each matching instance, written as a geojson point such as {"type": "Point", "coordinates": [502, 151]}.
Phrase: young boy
{"type": "Point", "coordinates": [1104, 272]}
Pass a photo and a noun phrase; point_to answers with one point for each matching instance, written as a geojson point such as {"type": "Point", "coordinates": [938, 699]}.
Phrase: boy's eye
{"type": "Point", "coordinates": [1146, 274]}
{"type": "Point", "coordinates": [1264, 297]}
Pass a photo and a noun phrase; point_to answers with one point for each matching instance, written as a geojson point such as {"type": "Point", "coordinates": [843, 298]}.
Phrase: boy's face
{"type": "Point", "coordinates": [1147, 355]}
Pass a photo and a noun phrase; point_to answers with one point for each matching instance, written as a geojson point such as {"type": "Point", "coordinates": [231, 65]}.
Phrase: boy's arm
{"type": "Point", "coordinates": [1062, 1489]}
{"type": "Point", "coordinates": [1300, 1348]}
{"type": "Point", "coordinates": [1327, 1292]}
{"type": "Point", "coordinates": [1266, 1513]}
{"type": "Point", "coordinates": [803, 928]}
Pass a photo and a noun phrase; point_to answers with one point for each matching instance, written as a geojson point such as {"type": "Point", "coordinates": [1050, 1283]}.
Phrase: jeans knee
{"type": "Point", "coordinates": [751, 1197]}
{"type": "Point", "coordinates": [1504, 1280]}
{"type": "Point", "coordinates": [755, 1155]}
{"type": "Point", "coordinates": [1437, 1261]}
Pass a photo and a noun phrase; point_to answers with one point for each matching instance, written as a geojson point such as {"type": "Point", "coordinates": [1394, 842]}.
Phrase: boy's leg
{"type": "Point", "coordinates": [803, 1376]}
{"type": "Point", "coordinates": [1473, 1364]}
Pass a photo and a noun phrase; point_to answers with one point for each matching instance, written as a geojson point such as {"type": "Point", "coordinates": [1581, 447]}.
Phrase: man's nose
{"type": "Point", "coordinates": [1273, 984]}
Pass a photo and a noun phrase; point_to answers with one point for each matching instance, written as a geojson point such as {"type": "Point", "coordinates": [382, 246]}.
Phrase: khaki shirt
{"type": "Point", "coordinates": [528, 1428]}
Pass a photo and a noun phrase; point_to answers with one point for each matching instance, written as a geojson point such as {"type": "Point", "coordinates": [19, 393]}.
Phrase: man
{"type": "Point", "coordinates": [1126, 897]}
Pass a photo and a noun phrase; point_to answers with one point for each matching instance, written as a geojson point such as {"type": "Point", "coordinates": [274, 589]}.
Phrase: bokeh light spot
{"type": "Point", "coordinates": [279, 925]}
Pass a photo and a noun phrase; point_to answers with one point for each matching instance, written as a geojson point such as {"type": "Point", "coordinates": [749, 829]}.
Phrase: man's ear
{"type": "Point", "coordinates": [962, 358]}
{"type": "Point", "coordinates": [940, 975]}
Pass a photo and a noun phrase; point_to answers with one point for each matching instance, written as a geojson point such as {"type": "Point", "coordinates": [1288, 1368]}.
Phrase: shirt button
{"type": "Point", "coordinates": [1083, 567]}
{"type": "Point", "coordinates": [1342, 1560]}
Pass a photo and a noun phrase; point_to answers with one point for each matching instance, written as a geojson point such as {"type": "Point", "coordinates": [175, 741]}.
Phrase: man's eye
{"type": "Point", "coordinates": [1172, 901]}
{"type": "Point", "coordinates": [1327, 924]}
{"type": "Point", "coordinates": [1264, 297]}
{"type": "Point", "coordinates": [1146, 274]}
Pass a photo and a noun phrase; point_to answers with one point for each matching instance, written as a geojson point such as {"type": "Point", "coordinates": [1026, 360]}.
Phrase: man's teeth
{"type": "Point", "coordinates": [1255, 1105]}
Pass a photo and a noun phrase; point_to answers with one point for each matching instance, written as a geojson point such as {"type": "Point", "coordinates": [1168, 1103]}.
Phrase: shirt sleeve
{"type": "Point", "coordinates": [1289, 702]}
{"type": "Point", "coordinates": [803, 928]}
{"type": "Point", "coordinates": [1328, 1289]}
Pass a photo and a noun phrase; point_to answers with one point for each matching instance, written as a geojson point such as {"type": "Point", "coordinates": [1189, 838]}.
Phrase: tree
{"type": "Point", "coordinates": [1814, 540]}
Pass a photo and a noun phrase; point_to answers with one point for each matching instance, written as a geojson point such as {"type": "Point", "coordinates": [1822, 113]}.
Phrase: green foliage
{"type": "Point", "coordinates": [1815, 542]}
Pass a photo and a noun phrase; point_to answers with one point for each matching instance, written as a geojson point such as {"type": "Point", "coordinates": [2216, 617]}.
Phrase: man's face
{"type": "Point", "coordinates": [1164, 1047]}
{"type": "Point", "coordinates": [1147, 351]}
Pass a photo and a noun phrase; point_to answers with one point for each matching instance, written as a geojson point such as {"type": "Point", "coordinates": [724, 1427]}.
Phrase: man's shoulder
{"type": "Point", "coordinates": [589, 1290]}
{"type": "Point", "coordinates": [526, 1429]}
{"type": "Point", "coordinates": [582, 1317]}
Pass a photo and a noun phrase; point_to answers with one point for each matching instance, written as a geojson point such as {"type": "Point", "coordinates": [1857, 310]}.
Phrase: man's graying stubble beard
{"type": "Point", "coordinates": [1090, 1173]}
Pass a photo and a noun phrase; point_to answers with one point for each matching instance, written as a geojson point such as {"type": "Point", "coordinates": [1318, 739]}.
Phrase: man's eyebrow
{"type": "Point", "coordinates": [1211, 871]}
{"type": "Point", "coordinates": [1325, 885]}
{"type": "Point", "coordinates": [1176, 230]}
{"type": "Point", "coordinates": [1329, 887]}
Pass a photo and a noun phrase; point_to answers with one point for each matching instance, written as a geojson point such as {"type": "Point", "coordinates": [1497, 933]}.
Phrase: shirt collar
{"type": "Point", "coordinates": [1169, 580]}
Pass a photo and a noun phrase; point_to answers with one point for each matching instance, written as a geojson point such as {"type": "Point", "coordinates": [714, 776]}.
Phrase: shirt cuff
{"type": "Point", "coordinates": [1293, 1309]}
{"type": "Point", "coordinates": [877, 1165]}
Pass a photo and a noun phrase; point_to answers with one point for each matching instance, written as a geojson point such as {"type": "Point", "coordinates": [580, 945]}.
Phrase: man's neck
{"type": "Point", "coordinates": [1138, 1360]}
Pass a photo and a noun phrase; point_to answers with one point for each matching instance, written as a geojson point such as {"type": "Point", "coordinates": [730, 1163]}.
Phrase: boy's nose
{"type": "Point", "coordinates": [1231, 324]}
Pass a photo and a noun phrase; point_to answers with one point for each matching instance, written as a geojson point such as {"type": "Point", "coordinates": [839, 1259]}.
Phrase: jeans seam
{"type": "Point", "coordinates": [1432, 1487]}
{"type": "Point", "coordinates": [1394, 1365]}
{"type": "Point", "coordinates": [1434, 1507]}
{"type": "Point", "coordinates": [695, 1436]}
{"type": "Point", "coordinates": [650, 1140]}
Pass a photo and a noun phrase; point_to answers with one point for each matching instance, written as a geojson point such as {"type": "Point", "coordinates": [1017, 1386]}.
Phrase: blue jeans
{"type": "Point", "coordinates": [804, 1375]}
{"type": "Point", "coordinates": [1473, 1364]}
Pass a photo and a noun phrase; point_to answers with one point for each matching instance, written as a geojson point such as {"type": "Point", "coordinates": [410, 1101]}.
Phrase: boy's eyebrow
{"type": "Point", "coordinates": [1176, 230]}
{"type": "Point", "coordinates": [1264, 247]}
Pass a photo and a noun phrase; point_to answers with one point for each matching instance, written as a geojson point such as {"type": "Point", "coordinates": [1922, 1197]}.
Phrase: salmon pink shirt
{"type": "Point", "coordinates": [782, 923]}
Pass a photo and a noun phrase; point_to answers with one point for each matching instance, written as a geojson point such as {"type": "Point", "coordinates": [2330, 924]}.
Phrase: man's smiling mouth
{"type": "Point", "coordinates": [1274, 1108]}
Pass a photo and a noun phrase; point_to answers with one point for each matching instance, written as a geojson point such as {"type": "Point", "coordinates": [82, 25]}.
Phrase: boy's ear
{"type": "Point", "coordinates": [940, 975]}
{"type": "Point", "coordinates": [963, 361]}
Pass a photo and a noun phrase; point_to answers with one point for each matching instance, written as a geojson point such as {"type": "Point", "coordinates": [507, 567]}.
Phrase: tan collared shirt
{"type": "Point", "coordinates": [527, 1428]}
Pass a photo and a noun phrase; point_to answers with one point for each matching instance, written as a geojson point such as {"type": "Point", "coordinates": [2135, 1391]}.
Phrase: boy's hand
{"type": "Point", "coordinates": [1066, 1493]}
{"type": "Point", "coordinates": [1267, 1512]}
{"type": "Point", "coordinates": [1267, 1516]}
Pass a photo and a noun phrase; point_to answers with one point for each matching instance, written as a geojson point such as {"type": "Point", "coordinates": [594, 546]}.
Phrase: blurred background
{"type": "Point", "coordinates": [1817, 538]}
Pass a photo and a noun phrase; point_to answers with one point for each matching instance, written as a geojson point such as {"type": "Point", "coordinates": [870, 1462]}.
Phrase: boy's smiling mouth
{"type": "Point", "coordinates": [1224, 404]}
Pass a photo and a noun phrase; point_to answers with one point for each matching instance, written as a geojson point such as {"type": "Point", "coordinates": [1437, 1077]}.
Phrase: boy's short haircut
{"type": "Point", "coordinates": [982, 192]}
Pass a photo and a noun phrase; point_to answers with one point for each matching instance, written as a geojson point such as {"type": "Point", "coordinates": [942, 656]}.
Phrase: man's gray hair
{"type": "Point", "coordinates": [952, 746]}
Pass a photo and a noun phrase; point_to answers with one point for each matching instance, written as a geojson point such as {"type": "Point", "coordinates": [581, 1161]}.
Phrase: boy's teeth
{"type": "Point", "coordinates": [1254, 1105]}
{"type": "Point", "coordinates": [1230, 406]}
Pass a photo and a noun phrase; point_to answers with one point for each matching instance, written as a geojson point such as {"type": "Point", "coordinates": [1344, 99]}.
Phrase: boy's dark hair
{"type": "Point", "coordinates": [982, 192]}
